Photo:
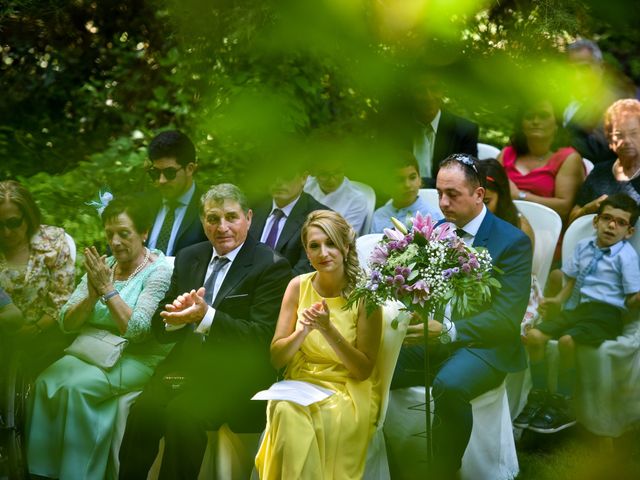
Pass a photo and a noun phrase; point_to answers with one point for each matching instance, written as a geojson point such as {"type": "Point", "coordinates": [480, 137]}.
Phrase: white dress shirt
{"type": "Point", "coordinates": [347, 200]}
{"type": "Point", "coordinates": [423, 146]}
{"type": "Point", "coordinates": [286, 210]}
{"type": "Point", "coordinates": [205, 324]}
{"type": "Point", "coordinates": [470, 232]}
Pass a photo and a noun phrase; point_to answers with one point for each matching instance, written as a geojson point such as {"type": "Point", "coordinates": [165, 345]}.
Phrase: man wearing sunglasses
{"type": "Point", "coordinates": [172, 163]}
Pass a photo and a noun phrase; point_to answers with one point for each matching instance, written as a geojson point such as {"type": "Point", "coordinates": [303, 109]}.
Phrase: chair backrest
{"type": "Point", "coordinates": [72, 246]}
{"type": "Point", "coordinates": [364, 247]}
{"type": "Point", "coordinates": [370, 194]}
{"type": "Point", "coordinates": [391, 340]}
{"type": "Point", "coordinates": [546, 225]}
{"type": "Point", "coordinates": [487, 151]}
{"type": "Point", "coordinates": [588, 165]}
{"type": "Point", "coordinates": [582, 227]}
{"type": "Point", "coordinates": [431, 196]}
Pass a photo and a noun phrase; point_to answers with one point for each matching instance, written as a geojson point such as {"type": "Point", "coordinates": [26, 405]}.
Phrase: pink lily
{"type": "Point", "coordinates": [424, 225]}
{"type": "Point", "coordinates": [393, 234]}
{"type": "Point", "coordinates": [446, 230]}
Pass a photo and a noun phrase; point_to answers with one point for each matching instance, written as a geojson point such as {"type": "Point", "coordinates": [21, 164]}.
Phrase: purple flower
{"type": "Point", "coordinates": [388, 280]}
{"type": "Point", "coordinates": [466, 268]}
{"type": "Point", "coordinates": [420, 291]}
{"type": "Point", "coordinates": [379, 255]}
{"type": "Point", "coordinates": [376, 276]}
{"type": "Point", "coordinates": [398, 280]}
{"type": "Point", "coordinates": [455, 270]}
{"type": "Point", "coordinates": [372, 286]}
{"type": "Point", "coordinates": [447, 274]}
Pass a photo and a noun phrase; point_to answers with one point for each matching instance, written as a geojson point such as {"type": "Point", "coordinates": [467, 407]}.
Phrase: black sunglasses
{"type": "Point", "coordinates": [12, 223]}
{"type": "Point", "coordinates": [169, 172]}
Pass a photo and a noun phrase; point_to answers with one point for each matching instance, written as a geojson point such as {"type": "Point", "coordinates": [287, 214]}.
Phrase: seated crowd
{"type": "Point", "coordinates": [205, 297]}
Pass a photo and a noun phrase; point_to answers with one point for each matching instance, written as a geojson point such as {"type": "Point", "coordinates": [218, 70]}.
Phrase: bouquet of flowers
{"type": "Point", "coordinates": [426, 267]}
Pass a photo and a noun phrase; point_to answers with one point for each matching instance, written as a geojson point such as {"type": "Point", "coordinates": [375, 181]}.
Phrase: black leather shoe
{"type": "Point", "coordinates": [535, 402]}
{"type": "Point", "coordinates": [554, 417]}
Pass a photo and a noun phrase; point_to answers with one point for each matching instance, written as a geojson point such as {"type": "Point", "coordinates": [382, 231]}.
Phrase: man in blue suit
{"type": "Point", "coordinates": [473, 353]}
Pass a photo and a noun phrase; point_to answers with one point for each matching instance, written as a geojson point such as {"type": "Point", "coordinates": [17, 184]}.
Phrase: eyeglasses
{"type": "Point", "coordinates": [11, 223]}
{"type": "Point", "coordinates": [169, 172]}
{"type": "Point", "coordinates": [606, 218]}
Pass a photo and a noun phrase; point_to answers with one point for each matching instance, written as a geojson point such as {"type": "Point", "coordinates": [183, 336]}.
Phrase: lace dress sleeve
{"type": "Point", "coordinates": [155, 285]}
{"type": "Point", "coordinates": [62, 277]}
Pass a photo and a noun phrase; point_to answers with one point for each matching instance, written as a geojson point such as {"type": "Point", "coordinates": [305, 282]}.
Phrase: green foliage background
{"type": "Point", "coordinates": [264, 85]}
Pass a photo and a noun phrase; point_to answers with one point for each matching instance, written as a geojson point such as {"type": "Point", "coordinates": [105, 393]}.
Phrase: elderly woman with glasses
{"type": "Point", "coordinates": [622, 175]}
{"type": "Point", "coordinates": [36, 271]}
{"type": "Point", "coordinates": [538, 170]}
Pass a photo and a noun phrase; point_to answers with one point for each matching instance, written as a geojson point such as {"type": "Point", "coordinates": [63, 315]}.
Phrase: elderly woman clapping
{"type": "Point", "coordinates": [75, 400]}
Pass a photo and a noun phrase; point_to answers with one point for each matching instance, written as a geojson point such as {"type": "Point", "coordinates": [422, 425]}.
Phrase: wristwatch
{"type": "Point", "coordinates": [105, 298]}
{"type": "Point", "coordinates": [522, 195]}
{"type": "Point", "coordinates": [444, 337]}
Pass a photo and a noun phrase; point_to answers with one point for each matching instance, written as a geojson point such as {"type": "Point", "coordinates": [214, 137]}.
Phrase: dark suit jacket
{"type": "Point", "coordinates": [247, 307]}
{"type": "Point", "coordinates": [493, 333]}
{"type": "Point", "coordinates": [455, 135]}
{"type": "Point", "coordinates": [191, 231]}
{"type": "Point", "coordinates": [289, 243]}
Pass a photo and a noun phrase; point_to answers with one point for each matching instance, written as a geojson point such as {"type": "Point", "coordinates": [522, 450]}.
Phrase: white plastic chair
{"type": "Point", "coordinates": [608, 378]}
{"type": "Point", "coordinates": [547, 225]}
{"type": "Point", "coordinates": [491, 452]}
{"type": "Point", "coordinates": [370, 194]}
{"type": "Point", "coordinates": [487, 151]}
{"type": "Point", "coordinates": [588, 165]}
{"type": "Point", "coordinates": [431, 196]}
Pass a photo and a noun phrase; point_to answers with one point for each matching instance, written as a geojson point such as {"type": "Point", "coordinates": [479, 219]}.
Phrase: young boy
{"type": "Point", "coordinates": [602, 282]}
{"type": "Point", "coordinates": [405, 198]}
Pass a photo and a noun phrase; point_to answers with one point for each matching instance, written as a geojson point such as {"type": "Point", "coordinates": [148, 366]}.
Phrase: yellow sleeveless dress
{"type": "Point", "coordinates": [328, 439]}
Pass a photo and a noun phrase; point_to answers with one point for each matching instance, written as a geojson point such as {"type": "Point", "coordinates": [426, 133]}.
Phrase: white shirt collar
{"type": "Point", "coordinates": [184, 199]}
{"type": "Point", "coordinates": [472, 227]}
{"type": "Point", "coordinates": [231, 255]}
{"type": "Point", "coordinates": [287, 208]}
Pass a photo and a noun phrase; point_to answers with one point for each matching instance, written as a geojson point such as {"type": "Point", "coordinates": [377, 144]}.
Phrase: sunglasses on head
{"type": "Point", "coordinates": [11, 223]}
{"type": "Point", "coordinates": [169, 172]}
{"type": "Point", "coordinates": [465, 160]}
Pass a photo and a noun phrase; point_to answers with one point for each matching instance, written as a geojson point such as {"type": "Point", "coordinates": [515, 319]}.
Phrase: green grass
{"type": "Point", "coordinates": [577, 454]}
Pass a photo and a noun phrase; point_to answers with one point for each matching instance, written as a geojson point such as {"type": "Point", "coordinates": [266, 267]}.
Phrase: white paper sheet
{"type": "Point", "coordinates": [302, 393]}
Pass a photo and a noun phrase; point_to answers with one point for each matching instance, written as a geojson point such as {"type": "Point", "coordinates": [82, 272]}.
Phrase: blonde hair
{"type": "Point", "coordinates": [343, 236]}
{"type": "Point", "coordinates": [627, 107]}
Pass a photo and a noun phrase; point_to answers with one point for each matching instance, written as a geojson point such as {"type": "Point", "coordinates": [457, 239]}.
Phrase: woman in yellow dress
{"type": "Point", "coordinates": [321, 343]}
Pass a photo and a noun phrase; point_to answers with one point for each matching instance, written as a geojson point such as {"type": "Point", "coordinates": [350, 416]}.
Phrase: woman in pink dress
{"type": "Point", "coordinates": [538, 171]}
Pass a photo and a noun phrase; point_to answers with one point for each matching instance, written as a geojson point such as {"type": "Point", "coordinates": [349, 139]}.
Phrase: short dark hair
{"type": "Point", "coordinates": [469, 165]}
{"type": "Point", "coordinates": [586, 44]}
{"type": "Point", "coordinates": [15, 192]}
{"type": "Point", "coordinates": [172, 144]}
{"type": "Point", "coordinates": [136, 208]}
{"type": "Point", "coordinates": [404, 159]}
{"type": "Point", "coordinates": [624, 202]}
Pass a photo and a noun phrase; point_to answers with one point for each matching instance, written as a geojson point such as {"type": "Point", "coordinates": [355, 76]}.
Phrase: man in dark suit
{"type": "Point", "coordinates": [277, 222]}
{"type": "Point", "coordinates": [221, 308]}
{"type": "Point", "coordinates": [473, 353]}
{"type": "Point", "coordinates": [440, 133]}
{"type": "Point", "coordinates": [172, 163]}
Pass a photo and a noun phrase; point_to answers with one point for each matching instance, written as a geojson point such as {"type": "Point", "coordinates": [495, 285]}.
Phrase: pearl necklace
{"type": "Point", "coordinates": [629, 177]}
{"type": "Point", "coordinates": [135, 272]}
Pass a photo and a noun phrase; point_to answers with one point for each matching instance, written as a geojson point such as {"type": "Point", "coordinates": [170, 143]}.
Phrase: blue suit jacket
{"type": "Point", "coordinates": [493, 332]}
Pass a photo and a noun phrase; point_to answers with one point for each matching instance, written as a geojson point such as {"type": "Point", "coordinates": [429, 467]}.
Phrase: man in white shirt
{"type": "Point", "coordinates": [330, 187]}
{"type": "Point", "coordinates": [172, 163]}
{"type": "Point", "coordinates": [278, 220]}
{"type": "Point", "coordinates": [225, 296]}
